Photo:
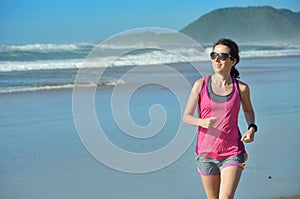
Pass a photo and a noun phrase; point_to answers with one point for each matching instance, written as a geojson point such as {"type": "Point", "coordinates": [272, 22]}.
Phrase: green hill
{"type": "Point", "coordinates": [249, 24]}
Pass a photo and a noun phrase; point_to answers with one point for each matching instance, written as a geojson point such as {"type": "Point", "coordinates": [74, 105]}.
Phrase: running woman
{"type": "Point", "coordinates": [220, 150]}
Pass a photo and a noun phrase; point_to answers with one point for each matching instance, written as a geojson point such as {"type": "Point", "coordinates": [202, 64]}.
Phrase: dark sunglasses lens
{"type": "Point", "coordinates": [213, 55]}
{"type": "Point", "coordinates": [223, 56]}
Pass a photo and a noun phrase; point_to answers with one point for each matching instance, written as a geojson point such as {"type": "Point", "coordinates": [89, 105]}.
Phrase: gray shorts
{"type": "Point", "coordinates": [211, 167]}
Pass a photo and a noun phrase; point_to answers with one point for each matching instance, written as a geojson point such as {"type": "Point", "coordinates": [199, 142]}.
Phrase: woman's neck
{"type": "Point", "coordinates": [221, 80]}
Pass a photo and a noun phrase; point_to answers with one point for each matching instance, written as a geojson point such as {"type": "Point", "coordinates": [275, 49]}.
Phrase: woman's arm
{"type": "Point", "coordinates": [188, 115]}
{"type": "Point", "coordinates": [248, 112]}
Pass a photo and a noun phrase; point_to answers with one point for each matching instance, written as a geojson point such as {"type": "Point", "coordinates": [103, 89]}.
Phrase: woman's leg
{"type": "Point", "coordinates": [211, 186]}
{"type": "Point", "coordinates": [230, 177]}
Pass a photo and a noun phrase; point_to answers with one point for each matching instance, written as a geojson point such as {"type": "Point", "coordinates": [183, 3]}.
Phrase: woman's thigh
{"type": "Point", "coordinates": [230, 177]}
{"type": "Point", "coordinates": [211, 186]}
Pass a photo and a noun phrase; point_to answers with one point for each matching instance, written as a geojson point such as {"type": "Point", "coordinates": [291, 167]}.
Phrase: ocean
{"type": "Point", "coordinates": [43, 153]}
{"type": "Point", "coordinates": [54, 66]}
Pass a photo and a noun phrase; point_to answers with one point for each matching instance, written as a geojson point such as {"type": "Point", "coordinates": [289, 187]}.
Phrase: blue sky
{"type": "Point", "coordinates": [63, 21]}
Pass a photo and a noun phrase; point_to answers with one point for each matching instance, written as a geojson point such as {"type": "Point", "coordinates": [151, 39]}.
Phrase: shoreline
{"type": "Point", "coordinates": [247, 65]}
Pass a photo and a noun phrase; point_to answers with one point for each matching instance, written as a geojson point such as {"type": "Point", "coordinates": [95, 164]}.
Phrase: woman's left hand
{"type": "Point", "coordinates": [248, 136]}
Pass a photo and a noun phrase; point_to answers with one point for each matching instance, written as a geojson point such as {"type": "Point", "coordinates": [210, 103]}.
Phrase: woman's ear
{"type": "Point", "coordinates": [233, 61]}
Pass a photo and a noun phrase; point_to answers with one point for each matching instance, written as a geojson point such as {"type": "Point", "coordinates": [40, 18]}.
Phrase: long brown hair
{"type": "Point", "coordinates": [234, 54]}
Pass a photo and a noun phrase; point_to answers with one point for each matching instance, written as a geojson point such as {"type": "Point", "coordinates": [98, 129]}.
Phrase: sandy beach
{"type": "Point", "coordinates": [42, 156]}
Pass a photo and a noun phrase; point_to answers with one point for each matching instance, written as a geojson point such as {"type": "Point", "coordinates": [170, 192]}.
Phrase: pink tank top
{"type": "Point", "coordinates": [223, 139]}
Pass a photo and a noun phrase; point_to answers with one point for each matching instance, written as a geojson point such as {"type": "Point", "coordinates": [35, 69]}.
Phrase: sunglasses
{"type": "Point", "coordinates": [221, 56]}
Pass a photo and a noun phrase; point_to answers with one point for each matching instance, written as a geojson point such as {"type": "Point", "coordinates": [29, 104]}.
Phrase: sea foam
{"type": "Point", "coordinates": [64, 56]}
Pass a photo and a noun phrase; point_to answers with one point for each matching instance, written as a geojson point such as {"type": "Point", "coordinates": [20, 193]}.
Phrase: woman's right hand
{"type": "Point", "coordinates": [207, 122]}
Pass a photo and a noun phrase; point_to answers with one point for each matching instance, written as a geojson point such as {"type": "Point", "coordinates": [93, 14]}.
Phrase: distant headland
{"type": "Point", "coordinates": [246, 24]}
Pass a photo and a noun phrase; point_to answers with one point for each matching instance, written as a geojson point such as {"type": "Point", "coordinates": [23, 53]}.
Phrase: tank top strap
{"type": "Point", "coordinates": [236, 86]}
{"type": "Point", "coordinates": [206, 80]}
{"type": "Point", "coordinates": [204, 84]}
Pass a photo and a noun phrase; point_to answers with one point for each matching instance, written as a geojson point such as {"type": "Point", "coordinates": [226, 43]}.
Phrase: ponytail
{"type": "Point", "coordinates": [234, 72]}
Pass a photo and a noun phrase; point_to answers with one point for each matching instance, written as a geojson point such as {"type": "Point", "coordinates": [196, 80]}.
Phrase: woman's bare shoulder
{"type": "Point", "coordinates": [244, 88]}
{"type": "Point", "coordinates": [242, 85]}
{"type": "Point", "coordinates": [198, 85]}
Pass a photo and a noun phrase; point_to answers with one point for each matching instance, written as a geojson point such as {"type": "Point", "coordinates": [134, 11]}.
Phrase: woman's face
{"type": "Point", "coordinates": [222, 67]}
